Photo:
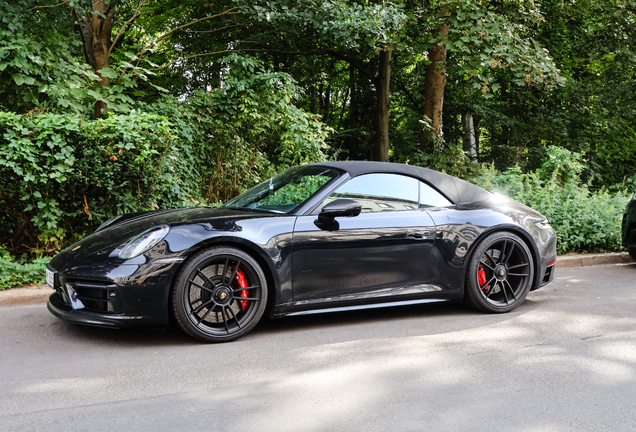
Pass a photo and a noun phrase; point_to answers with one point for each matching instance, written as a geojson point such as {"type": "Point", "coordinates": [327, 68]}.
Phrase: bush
{"type": "Point", "coordinates": [20, 272]}
{"type": "Point", "coordinates": [62, 174]}
{"type": "Point", "coordinates": [585, 220]}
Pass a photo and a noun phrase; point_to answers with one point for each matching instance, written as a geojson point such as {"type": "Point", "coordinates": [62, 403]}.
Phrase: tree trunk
{"type": "Point", "coordinates": [477, 134]}
{"type": "Point", "coordinates": [321, 99]}
{"type": "Point", "coordinates": [469, 138]}
{"type": "Point", "coordinates": [312, 100]}
{"type": "Point", "coordinates": [96, 33]}
{"type": "Point", "coordinates": [435, 82]}
{"type": "Point", "coordinates": [353, 103]}
{"type": "Point", "coordinates": [381, 149]}
{"type": "Point", "coordinates": [327, 107]}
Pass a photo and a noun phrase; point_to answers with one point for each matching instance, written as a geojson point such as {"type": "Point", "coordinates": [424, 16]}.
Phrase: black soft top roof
{"type": "Point", "coordinates": [456, 190]}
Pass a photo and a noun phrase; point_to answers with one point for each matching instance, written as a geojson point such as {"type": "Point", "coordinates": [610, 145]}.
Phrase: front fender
{"type": "Point", "coordinates": [269, 241]}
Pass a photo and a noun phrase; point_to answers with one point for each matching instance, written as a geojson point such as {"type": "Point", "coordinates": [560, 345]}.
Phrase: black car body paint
{"type": "Point", "coordinates": [628, 228]}
{"type": "Point", "coordinates": [417, 255]}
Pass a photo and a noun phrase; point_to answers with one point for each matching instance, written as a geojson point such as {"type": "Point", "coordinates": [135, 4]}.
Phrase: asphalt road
{"type": "Point", "coordinates": [563, 361]}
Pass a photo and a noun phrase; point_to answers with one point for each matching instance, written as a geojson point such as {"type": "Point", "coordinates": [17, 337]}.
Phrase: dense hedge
{"type": "Point", "coordinates": [585, 220]}
{"type": "Point", "coordinates": [62, 174]}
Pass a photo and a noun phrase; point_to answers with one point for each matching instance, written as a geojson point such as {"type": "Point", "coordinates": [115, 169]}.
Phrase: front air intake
{"type": "Point", "coordinates": [95, 296]}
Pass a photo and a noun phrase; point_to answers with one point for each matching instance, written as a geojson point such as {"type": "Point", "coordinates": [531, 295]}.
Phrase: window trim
{"type": "Point", "coordinates": [451, 203]}
{"type": "Point", "coordinates": [315, 210]}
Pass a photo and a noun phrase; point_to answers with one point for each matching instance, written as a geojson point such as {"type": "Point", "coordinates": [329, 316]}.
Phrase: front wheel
{"type": "Point", "coordinates": [632, 253]}
{"type": "Point", "coordinates": [500, 273]}
{"type": "Point", "coordinates": [219, 295]}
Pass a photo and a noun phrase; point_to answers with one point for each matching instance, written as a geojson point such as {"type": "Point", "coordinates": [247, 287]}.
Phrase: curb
{"type": "Point", "coordinates": [587, 260]}
{"type": "Point", "coordinates": [40, 294]}
{"type": "Point", "coordinates": [35, 294]}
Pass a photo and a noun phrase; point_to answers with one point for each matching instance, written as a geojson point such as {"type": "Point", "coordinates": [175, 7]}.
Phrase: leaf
{"type": "Point", "coordinates": [108, 72]}
{"type": "Point", "coordinates": [78, 92]}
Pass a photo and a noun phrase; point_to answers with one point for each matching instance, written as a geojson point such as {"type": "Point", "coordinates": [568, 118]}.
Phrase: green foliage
{"type": "Point", "coordinates": [247, 130]}
{"type": "Point", "coordinates": [486, 36]}
{"type": "Point", "coordinates": [64, 174]}
{"type": "Point", "coordinates": [185, 126]}
{"type": "Point", "coordinates": [295, 193]}
{"type": "Point", "coordinates": [20, 272]}
{"type": "Point", "coordinates": [592, 112]}
{"type": "Point", "coordinates": [585, 220]}
{"type": "Point", "coordinates": [39, 66]}
{"type": "Point", "coordinates": [446, 157]}
{"type": "Point", "coordinates": [348, 25]}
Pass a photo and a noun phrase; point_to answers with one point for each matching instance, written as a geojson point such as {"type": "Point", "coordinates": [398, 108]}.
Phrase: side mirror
{"type": "Point", "coordinates": [339, 208]}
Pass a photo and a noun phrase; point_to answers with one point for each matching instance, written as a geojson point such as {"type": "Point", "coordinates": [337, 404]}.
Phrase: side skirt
{"type": "Point", "coordinates": [356, 307]}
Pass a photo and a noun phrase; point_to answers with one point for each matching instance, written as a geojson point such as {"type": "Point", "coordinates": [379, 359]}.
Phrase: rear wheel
{"type": "Point", "coordinates": [219, 295]}
{"type": "Point", "coordinates": [500, 273]}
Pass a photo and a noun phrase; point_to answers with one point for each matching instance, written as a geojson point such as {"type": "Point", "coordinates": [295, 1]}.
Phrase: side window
{"type": "Point", "coordinates": [429, 197]}
{"type": "Point", "coordinates": [380, 192]}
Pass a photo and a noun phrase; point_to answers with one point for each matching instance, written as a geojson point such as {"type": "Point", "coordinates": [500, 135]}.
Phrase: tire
{"type": "Point", "coordinates": [219, 294]}
{"type": "Point", "coordinates": [500, 273]}
{"type": "Point", "coordinates": [632, 253]}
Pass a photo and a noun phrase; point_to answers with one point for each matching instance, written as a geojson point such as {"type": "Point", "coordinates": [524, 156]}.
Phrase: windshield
{"type": "Point", "coordinates": [285, 192]}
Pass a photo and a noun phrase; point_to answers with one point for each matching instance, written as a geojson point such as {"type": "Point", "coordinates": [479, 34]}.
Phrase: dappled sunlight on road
{"type": "Point", "coordinates": [564, 360]}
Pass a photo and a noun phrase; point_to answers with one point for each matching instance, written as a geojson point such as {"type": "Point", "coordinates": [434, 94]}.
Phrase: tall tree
{"type": "Point", "coordinates": [361, 34]}
{"type": "Point", "coordinates": [95, 27]}
{"type": "Point", "coordinates": [480, 37]}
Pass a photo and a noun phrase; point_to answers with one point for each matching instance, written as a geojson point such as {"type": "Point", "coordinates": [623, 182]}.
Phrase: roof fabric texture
{"type": "Point", "coordinates": [456, 190]}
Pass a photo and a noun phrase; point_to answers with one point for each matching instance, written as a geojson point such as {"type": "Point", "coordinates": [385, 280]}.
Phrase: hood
{"type": "Point", "coordinates": [98, 246]}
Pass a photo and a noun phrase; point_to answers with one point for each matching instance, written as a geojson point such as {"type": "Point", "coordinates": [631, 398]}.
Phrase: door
{"type": "Point", "coordinates": [375, 254]}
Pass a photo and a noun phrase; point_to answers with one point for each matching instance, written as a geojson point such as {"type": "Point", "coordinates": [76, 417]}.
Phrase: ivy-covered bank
{"type": "Point", "coordinates": [585, 220]}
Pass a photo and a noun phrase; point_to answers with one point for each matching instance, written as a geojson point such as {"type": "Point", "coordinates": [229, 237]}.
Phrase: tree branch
{"type": "Point", "coordinates": [408, 94]}
{"type": "Point", "coordinates": [63, 2]}
{"type": "Point", "coordinates": [126, 24]}
{"type": "Point", "coordinates": [168, 33]}
{"type": "Point", "coordinates": [353, 61]}
{"type": "Point", "coordinates": [191, 57]}
{"type": "Point", "coordinates": [221, 28]}
{"type": "Point", "coordinates": [81, 31]}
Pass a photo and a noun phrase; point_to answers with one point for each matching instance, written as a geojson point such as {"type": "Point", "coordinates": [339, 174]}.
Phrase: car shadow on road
{"type": "Point", "coordinates": [411, 320]}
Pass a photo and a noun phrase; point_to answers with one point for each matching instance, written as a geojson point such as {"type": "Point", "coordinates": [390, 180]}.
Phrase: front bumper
{"type": "Point", "coordinates": [113, 296]}
{"type": "Point", "coordinates": [628, 228]}
{"type": "Point", "coordinates": [60, 309]}
{"type": "Point", "coordinates": [546, 241]}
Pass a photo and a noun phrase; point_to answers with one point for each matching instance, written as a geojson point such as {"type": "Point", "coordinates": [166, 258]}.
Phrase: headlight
{"type": "Point", "coordinates": [143, 242]}
{"type": "Point", "coordinates": [543, 225]}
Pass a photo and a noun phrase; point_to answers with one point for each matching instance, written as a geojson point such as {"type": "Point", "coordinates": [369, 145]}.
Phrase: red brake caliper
{"type": "Point", "coordinates": [242, 282]}
{"type": "Point", "coordinates": [481, 278]}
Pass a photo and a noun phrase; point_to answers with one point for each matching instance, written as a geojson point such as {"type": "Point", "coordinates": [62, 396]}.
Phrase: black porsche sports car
{"type": "Point", "coordinates": [629, 228]}
{"type": "Point", "coordinates": [320, 237]}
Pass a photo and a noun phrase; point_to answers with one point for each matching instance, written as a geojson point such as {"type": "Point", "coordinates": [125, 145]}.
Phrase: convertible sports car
{"type": "Point", "coordinates": [322, 237]}
{"type": "Point", "coordinates": [629, 228]}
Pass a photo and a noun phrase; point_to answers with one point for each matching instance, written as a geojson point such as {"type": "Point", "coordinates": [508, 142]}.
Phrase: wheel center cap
{"type": "Point", "coordinates": [222, 295]}
{"type": "Point", "coordinates": [501, 272]}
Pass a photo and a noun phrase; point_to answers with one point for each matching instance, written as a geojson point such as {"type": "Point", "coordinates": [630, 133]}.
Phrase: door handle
{"type": "Point", "coordinates": [419, 235]}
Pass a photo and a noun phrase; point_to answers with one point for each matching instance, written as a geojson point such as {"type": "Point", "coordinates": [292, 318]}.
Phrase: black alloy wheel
{"type": "Point", "coordinates": [219, 295]}
{"type": "Point", "coordinates": [500, 273]}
